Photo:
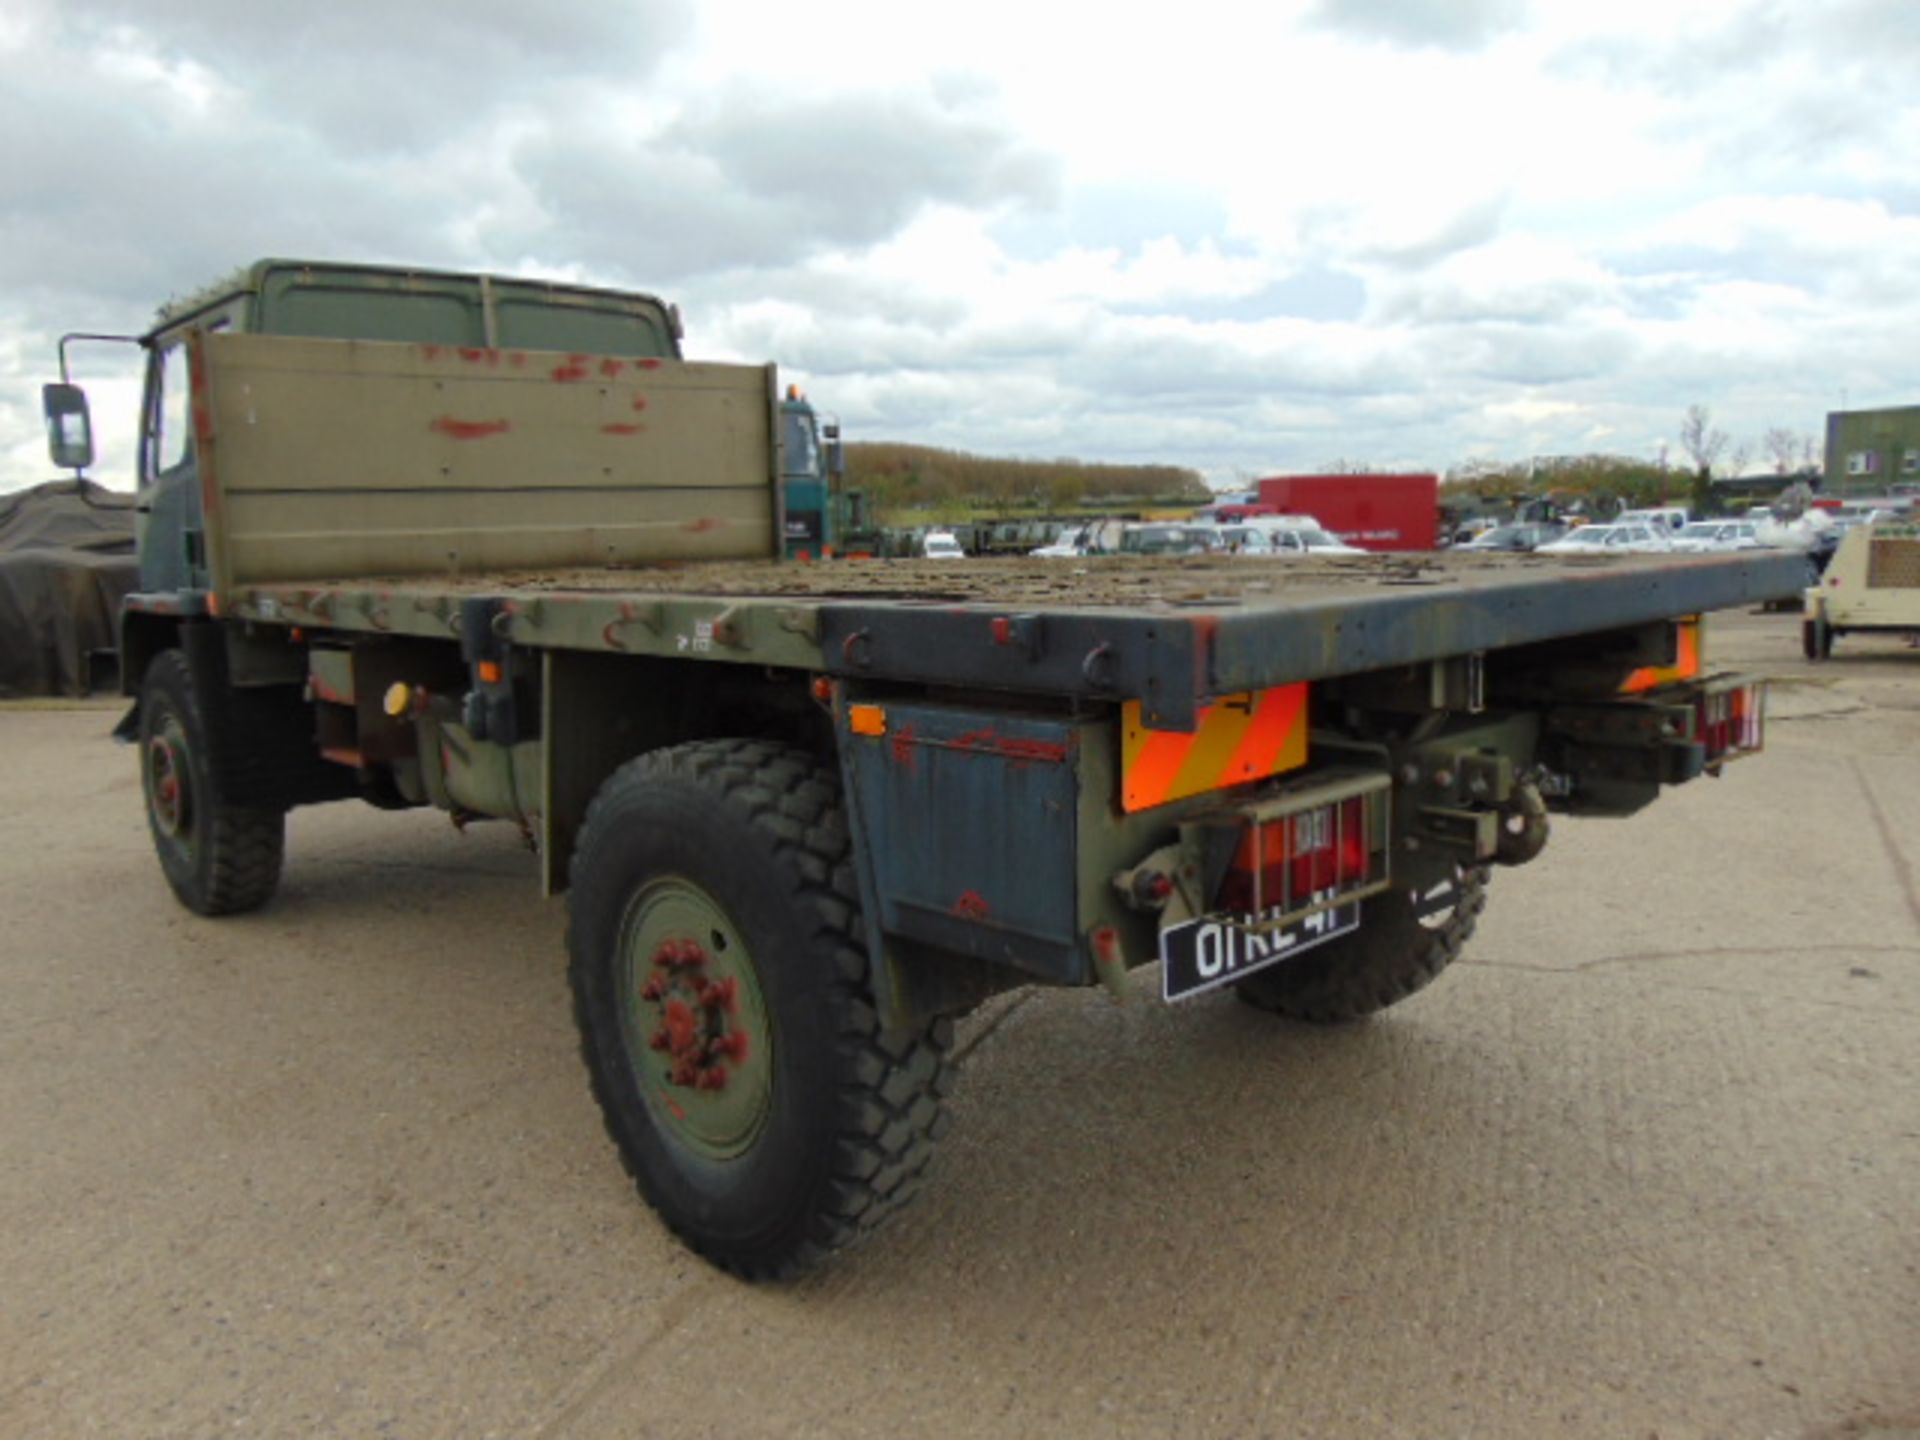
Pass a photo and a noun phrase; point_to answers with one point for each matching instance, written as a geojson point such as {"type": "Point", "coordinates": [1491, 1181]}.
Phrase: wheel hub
{"type": "Point", "coordinates": [696, 1013]}
{"type": "Point", "coordinates": [167, 785]}
{"type": "Point", "coordinates": [695, 1024]}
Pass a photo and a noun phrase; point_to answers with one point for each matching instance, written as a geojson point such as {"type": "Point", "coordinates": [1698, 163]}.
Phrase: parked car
{"type": "Point", "coordinates": [1161, 538]}
{"type": "Point", "coordinates": [1292, 535]}
{"type": "Point", "coordinates": [1469, 530]}
{"type": "Point", "coordinates": [1701, 536]}
{"type": "Point", "coordinates": [1668, 518]}
{"type": "Point", "coordinates": [942, 545]}
{"type": "Point", "coordinates": [1613, 539]}
{"type": "Point", "coordinates": [1515, 537]}
{"type": "Point", "coordinates": [1070, 544]}
{"type": "Point", "coordinates": [1288, 540]}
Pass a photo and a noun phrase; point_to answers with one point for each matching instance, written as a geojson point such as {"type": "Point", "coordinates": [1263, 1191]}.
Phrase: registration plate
{"type": "Point", "coordinates": [1201, 955]}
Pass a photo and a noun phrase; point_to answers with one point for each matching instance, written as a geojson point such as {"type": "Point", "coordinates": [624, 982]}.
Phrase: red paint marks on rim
{"type": "Point", "coordinates": [972, 905]}
{"type": "Point", "coordinates": [468, 429]}
{"type": "Point", "coordinates": [703, 524]}
{"type": "Point", "coordinates": [902, 745]}
{"type": "Point", "coordinates": [618, 428]}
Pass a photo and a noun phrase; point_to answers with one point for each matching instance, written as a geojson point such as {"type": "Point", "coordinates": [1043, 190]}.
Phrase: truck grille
{"type": "Point", "coordinates": [1893, 563]}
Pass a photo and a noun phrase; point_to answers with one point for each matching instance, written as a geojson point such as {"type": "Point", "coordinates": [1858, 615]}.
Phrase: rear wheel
{"type": "Point", "coordinates": [220, 859]}
{"type": "Point", "coordinates": [720, 979]}
{"type": "Point", "coordinates": [1407, 936]}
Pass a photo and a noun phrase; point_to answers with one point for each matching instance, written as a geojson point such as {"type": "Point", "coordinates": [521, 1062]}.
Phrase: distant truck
{"type": "Point", "coordinates": [494, 546]}
{"type": "Point", "coordinates": [823, 518]}
{"type": "Point", "coordinates": [1373, 512]}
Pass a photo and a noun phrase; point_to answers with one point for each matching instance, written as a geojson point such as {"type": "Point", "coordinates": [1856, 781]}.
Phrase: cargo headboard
{"type": "Point", "coordinates": [343, 459]}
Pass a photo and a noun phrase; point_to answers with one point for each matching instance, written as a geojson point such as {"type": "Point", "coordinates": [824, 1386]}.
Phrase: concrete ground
{"type": "Point", "coordinates": [1646, 1163]}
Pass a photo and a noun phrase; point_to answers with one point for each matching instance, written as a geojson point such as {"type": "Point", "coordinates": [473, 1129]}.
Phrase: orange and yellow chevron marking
{"type": "Point", "coordinates": [1686, 667]}
{"type": "Point", "coordinates": [1239, 738]}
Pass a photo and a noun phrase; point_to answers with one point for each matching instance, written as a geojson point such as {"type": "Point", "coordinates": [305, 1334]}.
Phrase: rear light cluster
{"type": "Point", "coordinates": [1731, 722]}
{"type": "Point", "coordinates": [1314, 857]}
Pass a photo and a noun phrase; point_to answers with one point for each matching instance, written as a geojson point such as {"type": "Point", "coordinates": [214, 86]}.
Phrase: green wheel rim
{"type": "Point", "coordinates": [693, 1019]}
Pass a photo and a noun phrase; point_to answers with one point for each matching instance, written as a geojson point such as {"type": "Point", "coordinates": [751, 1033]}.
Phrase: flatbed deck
{"type": "Point", "coordinates": [1170, 632]}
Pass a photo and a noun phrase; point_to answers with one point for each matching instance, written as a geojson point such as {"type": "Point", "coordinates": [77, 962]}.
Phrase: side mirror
{"type": "Point", "coordinates": [69, 426]}
{"type": "Point", "coordinates": [836, 457]}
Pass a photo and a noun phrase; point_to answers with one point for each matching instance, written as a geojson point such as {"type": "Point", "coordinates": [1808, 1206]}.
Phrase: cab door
{"type": "Point", "coordinates": [170, 525]}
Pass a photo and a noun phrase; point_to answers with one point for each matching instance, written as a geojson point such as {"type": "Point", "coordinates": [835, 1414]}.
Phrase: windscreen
{"type": "Point", "coordinates": [426, 309]}
{"type": "Point", "coordinates": [533, 325]}
{"type": "Point", "coordinates": [803, 450]}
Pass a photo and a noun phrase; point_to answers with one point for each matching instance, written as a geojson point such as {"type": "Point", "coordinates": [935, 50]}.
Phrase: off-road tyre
{"type": "Point", "coordinates": [1816, 639]}
{"type": "Point", "coordinates": [1397, 951]}
{"type": "Point", "coordinates": [849, 1112]}
{"type": "Point", "coordinates": [220, 859]}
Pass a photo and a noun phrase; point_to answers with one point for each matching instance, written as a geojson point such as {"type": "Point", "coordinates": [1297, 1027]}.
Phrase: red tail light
{"type": "Point", "coordinates": [1731, 722]}
{"type": "Point", "coordinates": [1293, 861]}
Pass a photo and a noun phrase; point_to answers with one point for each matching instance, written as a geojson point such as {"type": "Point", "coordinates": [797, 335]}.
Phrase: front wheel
{"type": "Point", "coordinates": [220, 859]}
{"type": "Point", "coordinates": [1407, 936]}
{"type": "Point", "coordinates": [721, 984]}
{"type": "Point", "coordinates": [1816, 638]}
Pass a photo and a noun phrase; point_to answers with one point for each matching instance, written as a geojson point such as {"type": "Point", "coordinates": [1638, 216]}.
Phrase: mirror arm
{"type": "Point", "coordinates": [66, 377]}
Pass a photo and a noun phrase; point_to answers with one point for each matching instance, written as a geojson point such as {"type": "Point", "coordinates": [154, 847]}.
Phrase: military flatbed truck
{"type": "Point", "coordinates": [494, 546]}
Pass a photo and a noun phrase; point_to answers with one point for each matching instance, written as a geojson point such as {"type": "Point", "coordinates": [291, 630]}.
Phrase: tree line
{"type": "Point", "coordinates": [904, 481]}
{"type": "Point", "coordinates": [1635, 482]}
{"type": "Point", "coordinates": [899, 478]}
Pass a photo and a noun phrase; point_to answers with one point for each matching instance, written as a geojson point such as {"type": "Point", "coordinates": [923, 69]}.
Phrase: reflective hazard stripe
{"type": "Point", "coordinates": [1686, 665]}
{"type": "Point", "coordinates": [1238, 738]}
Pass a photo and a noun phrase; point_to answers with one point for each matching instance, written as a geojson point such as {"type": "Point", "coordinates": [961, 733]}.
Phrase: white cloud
{"type": "Point", "coordinates": [1244, 238]}
{"type": "Point", "coordinates": [1529, 411]}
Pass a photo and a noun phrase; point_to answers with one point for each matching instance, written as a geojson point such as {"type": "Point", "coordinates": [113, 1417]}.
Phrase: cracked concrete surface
{"type": "Point", "coordinates": [1647, 1162]}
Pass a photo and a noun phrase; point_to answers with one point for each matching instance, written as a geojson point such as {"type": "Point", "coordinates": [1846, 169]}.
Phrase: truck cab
{"type": "Point", "coordinates": [482, 315]}
{"type": "Point", "coordinates": [812, 467]}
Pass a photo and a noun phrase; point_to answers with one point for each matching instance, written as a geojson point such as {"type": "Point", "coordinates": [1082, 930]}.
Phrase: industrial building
{"type": "Point", "coordinates": [1872, 451]}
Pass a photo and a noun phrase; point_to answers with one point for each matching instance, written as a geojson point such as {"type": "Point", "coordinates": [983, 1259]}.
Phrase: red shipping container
{"type": "Point", "coordinates": [1373, 512]}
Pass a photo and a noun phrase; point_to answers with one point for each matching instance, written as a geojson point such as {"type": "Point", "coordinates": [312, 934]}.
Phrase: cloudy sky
{"type": "Point", "coordinates": [1246, 238]}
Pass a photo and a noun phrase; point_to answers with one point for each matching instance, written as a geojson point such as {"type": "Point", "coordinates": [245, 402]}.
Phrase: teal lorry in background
{"type": "Point", "coordinates": [824, 518]}
{"type": "Point", "coordinates": [812, 465]}
{"type": "Point", "coordinates": [495, 546]}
